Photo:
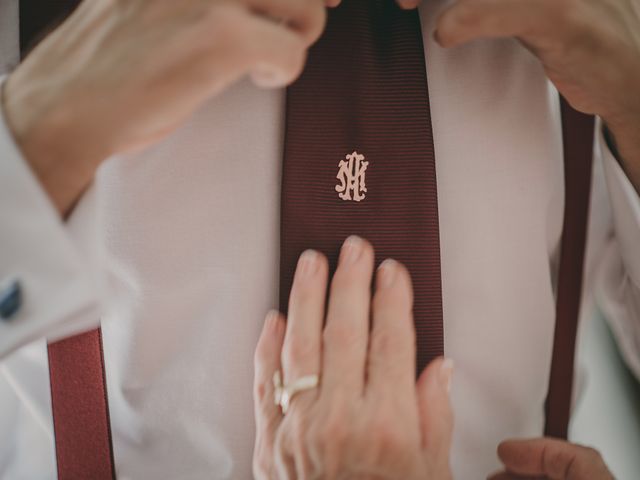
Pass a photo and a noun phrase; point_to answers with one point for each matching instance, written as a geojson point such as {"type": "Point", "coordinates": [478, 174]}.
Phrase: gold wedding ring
{"type": "Point", "coordinates": [283, 394]}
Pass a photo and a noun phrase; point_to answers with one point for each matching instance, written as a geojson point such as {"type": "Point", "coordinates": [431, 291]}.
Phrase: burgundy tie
{"type": "Point", "coordinates": [358, 119]}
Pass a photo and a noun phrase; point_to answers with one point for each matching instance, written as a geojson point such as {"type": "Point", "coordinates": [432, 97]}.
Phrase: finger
{"type": "Point", "coordinates": [469, 20]}
{"type": "Point", "coordinates": [234, 42]}
{"type": "Point", "coordinates": [307, 17]}
{"type": "Point", "coordinates": [392, 347]}
{"type": "Point", "coordinates": [346, 333]}
{"type": "Point", "coordinates": [552, 458]}
{"type": "Point", "coordinates": [436, 415]}
{"type": "Point", "coordinates": [267, 413]}
{"type": "Point", "coordinates": [301, 353]}
{"type": "Point", "coordinates": [274, 56]}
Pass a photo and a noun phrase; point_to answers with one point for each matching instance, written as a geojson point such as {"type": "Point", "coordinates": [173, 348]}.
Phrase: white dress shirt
{"type": "Point", "coordinates": [176, 248]}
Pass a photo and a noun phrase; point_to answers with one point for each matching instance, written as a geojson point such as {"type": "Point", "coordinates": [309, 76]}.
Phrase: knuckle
{"type": "Point", "coordinates": [333, 434]}
{"type": "Point", "coordinates": [392, 351]}
{"type": "Point", "coordinates": [260, 390]}
{"type": "Point", "coordinates": [384, 342]}
{"type": "Point", "coordinates": [261, 386]}
{"type": "Point", "coordinates": [387, 437]}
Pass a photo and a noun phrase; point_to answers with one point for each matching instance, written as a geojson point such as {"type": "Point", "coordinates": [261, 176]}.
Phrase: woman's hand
{"type": "Point", "coordinates": [118, 75]}
{"type": "Point", "coordinates": [367, 418]}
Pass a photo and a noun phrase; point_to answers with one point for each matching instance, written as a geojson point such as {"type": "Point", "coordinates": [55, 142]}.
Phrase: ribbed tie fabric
{"type": "Point", "coordinates": [364, 91]}
{"type": "Point", "coordinates": [76, 365]}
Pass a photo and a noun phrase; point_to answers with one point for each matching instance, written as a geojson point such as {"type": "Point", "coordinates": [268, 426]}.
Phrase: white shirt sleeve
{"type": "Point", "coordinates": [618, 282]}
{"type": "Point", "coordinates": [61, 292]}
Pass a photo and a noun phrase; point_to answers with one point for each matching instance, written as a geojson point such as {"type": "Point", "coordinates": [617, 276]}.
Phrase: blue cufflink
{"type": "Point", "coordinates": [10, 300]}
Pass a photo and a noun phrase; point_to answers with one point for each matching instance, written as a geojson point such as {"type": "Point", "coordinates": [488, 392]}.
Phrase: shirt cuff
{"type": "Point", "coordinates": [625, 205]}
{"type": "Point", "coordinates": [60, 291]}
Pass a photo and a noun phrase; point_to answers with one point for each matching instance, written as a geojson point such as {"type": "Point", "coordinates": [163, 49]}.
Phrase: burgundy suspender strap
{"type": "Point", "coordinates": [577, 137]}
{"type": "Point", "coordinates": [80, 408]}
{"type": "Point", "coordinates": [76, 365]}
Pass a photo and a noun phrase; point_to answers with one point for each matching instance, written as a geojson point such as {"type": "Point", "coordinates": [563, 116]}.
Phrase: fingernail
{"type": "Point", "coordinates": [265, 77]}
{"type": "Point", "coordinates": [387, 273]}
{"type": "Point", "coordinates": [351, 250]}
{"type": "Point", "coordinates": [308, 263]}
{"type": "Point", "coordinates": [446, 374]}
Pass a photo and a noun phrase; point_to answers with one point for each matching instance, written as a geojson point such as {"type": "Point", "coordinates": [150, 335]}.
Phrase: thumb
{"type": "Point", "coordinates": [436, 415]}
{"type": "Point", "coordinates": [555, 459]}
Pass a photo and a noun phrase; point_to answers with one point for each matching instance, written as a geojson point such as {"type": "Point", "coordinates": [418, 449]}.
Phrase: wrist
{"type": "Point", "coordinates": [45, 129]}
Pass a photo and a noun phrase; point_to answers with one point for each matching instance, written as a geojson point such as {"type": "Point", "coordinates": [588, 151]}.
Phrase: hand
{"type": "Point", "coordinates": [550, 458]}
{"type": "Point", "coordinates": [120, 75]}
{"type": "Point", "coordinates": [368, 418]}
{"type": "Point", "coordinates": [590, 49]}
